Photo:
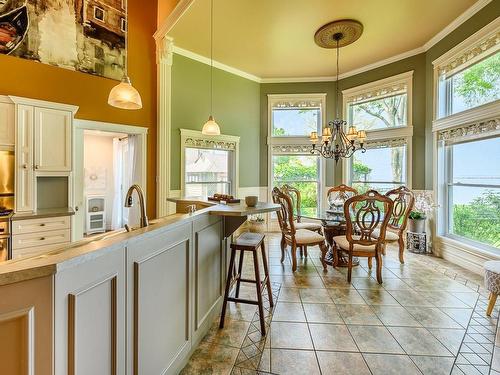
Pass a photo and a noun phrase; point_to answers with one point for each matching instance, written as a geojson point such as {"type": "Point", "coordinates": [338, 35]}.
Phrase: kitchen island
{"type": "Point", "coordinates": [120, 303]}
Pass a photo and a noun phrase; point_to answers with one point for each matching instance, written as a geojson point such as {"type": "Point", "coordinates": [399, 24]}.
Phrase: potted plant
{"type": "Point", "coordinates": [256, 223]}
{"type": "Point", "coordinates": [416, 222]}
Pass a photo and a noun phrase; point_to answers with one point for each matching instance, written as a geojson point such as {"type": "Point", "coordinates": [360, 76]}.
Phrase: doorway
{"type": "Point", "coordinates": [109, 158]}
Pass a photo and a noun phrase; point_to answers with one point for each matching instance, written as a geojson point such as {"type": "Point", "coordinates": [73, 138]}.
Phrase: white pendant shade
{"type": "Point", "coordinates": [210, 127]}
{"type": "Point", "coordinates": [125, 96]}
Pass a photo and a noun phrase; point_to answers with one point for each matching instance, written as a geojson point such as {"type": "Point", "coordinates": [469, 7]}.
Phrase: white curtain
{"type": "Point", "coordinates": [134, 150]}
{"type": "Point", "coordinates": [116, 213]}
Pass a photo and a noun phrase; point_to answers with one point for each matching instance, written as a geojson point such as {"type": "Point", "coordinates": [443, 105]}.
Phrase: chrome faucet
{"type": "Point", "coordinates": [129, 202]}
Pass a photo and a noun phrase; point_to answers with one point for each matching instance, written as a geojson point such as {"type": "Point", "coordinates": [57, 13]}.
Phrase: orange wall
{"type": "Point", "coordinates": [35, 80]}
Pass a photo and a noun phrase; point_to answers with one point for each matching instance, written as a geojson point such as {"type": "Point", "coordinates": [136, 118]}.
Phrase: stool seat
{"type": "Point", "coordinates": [248, 242]}
{"type": "Point", "coordinates": [492, 282]}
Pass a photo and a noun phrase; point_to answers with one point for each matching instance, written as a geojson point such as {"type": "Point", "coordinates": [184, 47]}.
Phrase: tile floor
{"type": "Point", "coordinates": [428, 317]}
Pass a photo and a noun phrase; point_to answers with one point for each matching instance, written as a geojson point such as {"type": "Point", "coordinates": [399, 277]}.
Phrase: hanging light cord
{"type": "Point", "coordinates": [126, 40]}
{"type": "Point", "coordinates": [337, 82]}
{"type": "Point", "coordinates": [211, 55]}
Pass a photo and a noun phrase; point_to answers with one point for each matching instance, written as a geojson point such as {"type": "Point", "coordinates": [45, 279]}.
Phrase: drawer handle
{"type": "Point", "coordinates": [42, 238]}
{"type": "Point", "coordinates": [42, 225]}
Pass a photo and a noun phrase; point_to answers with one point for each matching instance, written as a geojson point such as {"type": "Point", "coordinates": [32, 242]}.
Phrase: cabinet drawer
{"type": "Point", "coordinates": [36, 250]}
{"type": "Point", "coordinates": [22, 241]}
{"type": "Point", "coordinates": [40, 225]}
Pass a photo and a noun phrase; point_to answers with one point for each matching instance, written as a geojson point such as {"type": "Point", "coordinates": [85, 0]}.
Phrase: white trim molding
{"type": "Point", "coordinates": [196, 139]}
{"type": "Point", "coordinates": [43, 104]}
{"type": "Point", "coordinates": [180, 9]}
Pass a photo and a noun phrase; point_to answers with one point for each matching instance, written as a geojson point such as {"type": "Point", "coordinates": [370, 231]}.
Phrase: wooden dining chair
{"type": "Point", "coordinates": [294, 194]}
{"type": "Point", "coordinates": [365, 213]}
{"type": "Point", "coordinates": [290, 234]}
{"type": "Point", "coordinates": [404, 201]}
{"type": "Point", "coordinates": [341, 191]}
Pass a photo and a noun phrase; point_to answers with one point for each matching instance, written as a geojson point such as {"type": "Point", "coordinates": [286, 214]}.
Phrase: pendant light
{"type": "Point", "coordinates": [124, 95]}
{"type": "Point", "coordinates": [211, 127]}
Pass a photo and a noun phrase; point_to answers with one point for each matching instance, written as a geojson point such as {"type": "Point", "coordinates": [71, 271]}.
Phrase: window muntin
{"type": "Point", "coordinates": [295, 121]}
{"type": "Point", "coordinates": [471, 87]}
{"type": "Point", "coordinates": [385, 112]}
{"type": "Point", "coordinates": [207, 171]}
{"type": "Point", "coordinates": [301, 172]}
{"type": "Point", "coordinates": [98, 13]}
{"type": "Point", "coordinates": [473, 191]}
{"type": "Point", "coordinates": [381, 169]}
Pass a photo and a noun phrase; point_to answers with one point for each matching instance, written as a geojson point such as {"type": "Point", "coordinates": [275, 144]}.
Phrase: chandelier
{"type": "Point", "coordinates": [334, 142]}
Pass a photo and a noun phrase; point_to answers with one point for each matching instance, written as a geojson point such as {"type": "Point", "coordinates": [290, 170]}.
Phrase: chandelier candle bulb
{"type": "Point", "coordinates": [352, 133]}
{"type": "Point", "coordinates": [314, 137]}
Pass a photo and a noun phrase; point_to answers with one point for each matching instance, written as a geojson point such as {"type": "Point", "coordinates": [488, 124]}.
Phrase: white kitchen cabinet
{"type": "Point", "coordinates": [7, 123]}
{"type": "Point", "coordinates": [24, 175]}
{"type": "Point", "coordinates": [52, 143]}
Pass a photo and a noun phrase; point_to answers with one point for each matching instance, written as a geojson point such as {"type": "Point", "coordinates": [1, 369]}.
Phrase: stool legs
{"type": "Point", "coordinates": [240, 269]}
{"type": "Point", "coordinates": [491, 304]}
{"type": "Point", "coordinates": [266, 273]}
{"type": "Point", "coordinates": [226, 292]}
{"type": "Point", "coordinates": [259, 293]}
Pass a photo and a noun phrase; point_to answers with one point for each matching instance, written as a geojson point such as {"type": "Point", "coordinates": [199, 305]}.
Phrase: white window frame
{"type": "Point", "coordinates": [294, 145]}
{"type": "Point", "coordinates": [103, 13]}
{"type": "Point", "coordinates": [195, 139]}
{"type": "Point", "coordinates": [472, 124]}
{"type": "Point", "coordinates": [381, 137]}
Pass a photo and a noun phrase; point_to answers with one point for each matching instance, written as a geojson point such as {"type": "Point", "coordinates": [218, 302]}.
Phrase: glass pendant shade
{"type": "Point", "coordinates": [210, 127]}
{"type": "Point", "coordinates": [125, 96]}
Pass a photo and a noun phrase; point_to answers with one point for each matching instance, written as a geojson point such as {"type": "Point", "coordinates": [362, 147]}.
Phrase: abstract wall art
{"type": "Point", "coordinates": [82, 35]}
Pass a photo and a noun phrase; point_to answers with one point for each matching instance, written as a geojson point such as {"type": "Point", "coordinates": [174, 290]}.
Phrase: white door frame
{"type": "Point", "coordinates": [78, 176]}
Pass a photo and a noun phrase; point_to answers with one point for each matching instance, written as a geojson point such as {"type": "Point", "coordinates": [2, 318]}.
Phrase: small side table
{"type": "Point", "coordinates": [416, 242]}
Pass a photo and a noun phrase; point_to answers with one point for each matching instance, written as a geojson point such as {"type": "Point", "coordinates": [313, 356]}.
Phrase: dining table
{"type": "Point", "coordinates": [334, 224]}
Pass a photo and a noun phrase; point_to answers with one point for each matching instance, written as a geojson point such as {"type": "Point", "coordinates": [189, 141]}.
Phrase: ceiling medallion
{"type": "Point", "coordinates": [348, 30]}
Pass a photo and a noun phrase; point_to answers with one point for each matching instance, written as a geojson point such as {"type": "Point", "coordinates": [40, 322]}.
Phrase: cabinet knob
{"type": "Point", "coordinates": [37, 166]}
{"type": "Point", "coordinates": [42, 238]}
{"type": "Point", "coordinates": [42, 224]}
{"type": "Point", "coordinates": [25, 166]}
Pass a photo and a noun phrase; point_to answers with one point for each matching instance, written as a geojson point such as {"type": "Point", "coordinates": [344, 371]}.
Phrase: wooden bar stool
{"type": "Point", "coordinates": [248, 242]}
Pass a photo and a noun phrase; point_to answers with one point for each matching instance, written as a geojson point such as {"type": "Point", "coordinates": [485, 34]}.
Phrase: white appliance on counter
{"type": "Point", "coordinates": [95, 214]}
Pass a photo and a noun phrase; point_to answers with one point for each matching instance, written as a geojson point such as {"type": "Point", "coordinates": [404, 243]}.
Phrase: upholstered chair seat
{"type": "Point", "coordinates": [343, 243]}
{"type": "Point", "coordinates": [310, 226]}
{"type": "Point", "coordinates": [492, 282]}
{"type": "Point", "coordinates": [390, 236]}
{"type": "Point", "coordinates": [307, 237]}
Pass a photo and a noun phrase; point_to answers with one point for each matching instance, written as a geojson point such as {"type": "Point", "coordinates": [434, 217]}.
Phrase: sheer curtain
{"type": "Point", "coordinates": [116, 213]}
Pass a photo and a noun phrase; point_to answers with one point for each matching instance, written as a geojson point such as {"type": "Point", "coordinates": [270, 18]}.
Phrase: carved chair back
{"type": "Point", "coordinates": [285, 213]}
{"type": "Point", "coordinates": [363, 214]}
{"type": "Point", "coordinates": [404, 200]}
{"type": "Point", "coordinates": [294, 195]}
{"type": "Point", "coordinates": [342, 192]}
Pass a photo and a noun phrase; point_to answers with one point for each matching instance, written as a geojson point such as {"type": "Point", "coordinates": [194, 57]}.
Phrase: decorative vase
{"type": "Point", "coordinates": [416, 225]}
{"type": "Point", "coordinates": [256, 226]}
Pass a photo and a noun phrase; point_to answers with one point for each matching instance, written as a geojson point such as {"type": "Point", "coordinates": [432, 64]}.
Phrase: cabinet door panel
{"type": "Point", "coordinates": [52, 140]}
{"type": "Point", "coordinates": [24, 159]}
{"type": "Point", "coordinates": [7, 121]}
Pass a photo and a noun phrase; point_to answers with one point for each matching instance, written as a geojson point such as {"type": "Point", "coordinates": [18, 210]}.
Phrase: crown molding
{"type": "Point", "coordinates": [473, 9]}
{"type": "Point", "coordinates": [169, 22]}
{"type": "Point", "coordinates": [216, 64]}
{"type": "Point", "coordinates": [184, 5]}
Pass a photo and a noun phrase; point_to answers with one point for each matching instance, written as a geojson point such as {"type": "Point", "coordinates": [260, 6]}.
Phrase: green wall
{"type": "Point", "coordinates": [236, 110]}
{"type": "Point", "coordinates": [469, 27]}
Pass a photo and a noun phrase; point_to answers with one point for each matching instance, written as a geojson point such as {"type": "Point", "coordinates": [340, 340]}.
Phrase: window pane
{"type": "Point", "coordinates": [475, 214]}
{"type": "Point", "coordinates": [477, 162]}
{"type": "Point", "coordinates": [295, 121]}
{"type": "Point", "coordinates": [383, 113]}
{"type": "Point", "coordinates": [478, 84]}
{"type": "Point", "coordinates": [380, 168]}
{"type": "Point", "coordinates": [302, 172]}
{"type": "Point", "coordinates": [207, 172]}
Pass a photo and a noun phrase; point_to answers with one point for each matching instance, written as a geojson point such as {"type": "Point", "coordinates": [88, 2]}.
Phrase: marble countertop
{"type": "Point", "coordinates": [46, 264]}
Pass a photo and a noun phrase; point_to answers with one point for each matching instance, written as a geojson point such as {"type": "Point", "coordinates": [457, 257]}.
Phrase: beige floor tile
{"type": "Point", "coordinates": [418, 341]}
{"type": "Point", "coordinates": [322, 313]}
{"type": "Point", "coordinates": [293, 362]}
{"type": "Point", "coordinates": [240, 311]}
{"type": "Point", "coordinates": [410, 298]}
{"type": "Point", "coordinates": [289, 295]}
{"type": "Point", "coordinates": [375, 339]}
{"type": "Point", "coordinates": [390, 364]}
{"type": "Point", "coordinates": [358, 314]}
{"type": "Point", "coordinates": [310, 295]}
{"type": "Point", "coordinates": [432, 317]}
{"type": "Point", "coordinates": [443, 299]}
{"type": "Point", "coordinates": [450, 338]}
{"type": "Point", "coordinates": [377, 297]}
{"type": "Point", "coordinates": [335, 363]}
{"type": "Point", "coordinates": [433, 365]}
{"type": "Point", "coordinates": [210, 358]}
{"type": "Point", "coordinates": [232, 334]}
{"type": "Point", "coordinates": [286, 335]}
{"type": "Point", "coordinates": [332, 337]}
{"type": "Point", "coordinates": [395, 316]}
{"type": "Point", "coordinates": [289, 312]}
{"type": "Point", "coordinates": [346, 296]}
{"type": "Point", "coordinates": [365, 283]}
{"type": "Point", "coordinates": [461, 316]}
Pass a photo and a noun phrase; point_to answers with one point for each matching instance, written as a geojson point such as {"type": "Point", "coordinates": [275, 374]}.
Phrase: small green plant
{"type": "Point", "coordinates": [417, 215]}
{"type": "Point", "coordinates": [257, 218]}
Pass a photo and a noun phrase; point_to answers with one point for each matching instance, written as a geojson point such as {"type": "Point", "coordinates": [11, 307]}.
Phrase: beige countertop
{"type": "Point", "coordinates": [48, 263]}
{"type": "Point", "coordinates": [44, 212]}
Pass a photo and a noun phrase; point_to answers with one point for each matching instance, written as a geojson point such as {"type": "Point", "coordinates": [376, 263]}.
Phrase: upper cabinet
{"type": "Point", "coordinates": [7, 122]}
{"type": "Point", "coordinates": [52, 143]}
